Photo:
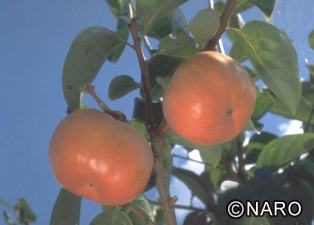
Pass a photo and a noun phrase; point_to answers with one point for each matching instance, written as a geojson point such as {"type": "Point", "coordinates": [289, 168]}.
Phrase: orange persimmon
{"type": "Point", "coordinates": [209, 99]}
{"type": "Point", "coordinates": [100, 158]}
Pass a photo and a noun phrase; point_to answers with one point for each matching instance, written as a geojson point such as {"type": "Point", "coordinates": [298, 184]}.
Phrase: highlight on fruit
{"type": "Point", "coordinates": [209, 99]}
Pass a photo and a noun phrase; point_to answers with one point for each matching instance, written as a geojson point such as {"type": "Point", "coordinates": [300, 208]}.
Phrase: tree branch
{"type": "Point", "coordinates": [140, 213]}
{"type": "Point", "coordinates": [177, 206]}
{"type": "Point", "coordinates": [157, 133]}
{"type": "Point", "coordinates": [224, 20]}
{"type": "Point", "coordinates": [241, 165]}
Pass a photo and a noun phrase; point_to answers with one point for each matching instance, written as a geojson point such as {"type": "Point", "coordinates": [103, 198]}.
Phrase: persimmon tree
{"type": "Point", "coordinates": [282, 166]}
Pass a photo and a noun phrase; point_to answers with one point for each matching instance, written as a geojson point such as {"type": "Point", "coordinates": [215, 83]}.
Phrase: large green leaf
{"type": "Point", "coordinates": [266, 6]}
{"type": "Point", "coordinates": [210, 154]}
{"type": "Point", "coordinates": [182, 46]}
{"type": "Point", "coordinates": [122, 85]}
{"type": "Point", "coordinates": [151, 11]}
{"type": "Point", "coordinates": [204, 25]}
{"type": "Point", "coordinates": [282, 150]}
{"type": "Point", "coordinates": [66, 210]}
{"type": "Point", "coordinates": [275, 60]}
{"type": "Point", "coordinates": [311, 39]}
{"type": "Point", "coordinates": [115, 217]}
{"type": "Point", "coordinates": [87, 54]}
{"type": "Point", "coordinates": [193, 182]}
{"type": "Point", "coordinates": [120, 9]}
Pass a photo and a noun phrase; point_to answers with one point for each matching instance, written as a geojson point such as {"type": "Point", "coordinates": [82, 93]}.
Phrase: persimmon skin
{"type": "Point", "coordinates": [209, 99]}
{"type": "Point", "coordinates": [95, 156]}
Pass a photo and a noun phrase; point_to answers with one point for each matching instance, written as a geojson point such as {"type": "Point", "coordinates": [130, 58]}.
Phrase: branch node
{"type": "Point", "coordinates": [173, 201]}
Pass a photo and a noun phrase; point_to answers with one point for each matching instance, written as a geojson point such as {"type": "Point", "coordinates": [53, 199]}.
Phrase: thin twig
{"type": "Point", "coordinates": [241, 165]}
{"type": "Point", "coordinates": [224, 20]}
{"type": "Point", "coordinates": [89, 89]}
{"type": "Point", "coordinates": [140, 213]}
{"type": "Point", "coordinates": [157, 133]}
{"type": "Point", "coordinates": [145, 39]}
{"type": "Point", "coordinates": [192, 160]}
{"type": "Point", "coordinates": [148, 45]}
{"type": "Point", "coordinates": [177, 206]}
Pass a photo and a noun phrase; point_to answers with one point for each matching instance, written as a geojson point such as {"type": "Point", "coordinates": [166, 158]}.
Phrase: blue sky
{"type": "Point", "coordinates": [35, 38]}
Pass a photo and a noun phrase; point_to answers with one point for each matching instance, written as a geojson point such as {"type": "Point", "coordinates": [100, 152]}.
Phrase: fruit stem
{"type": "Point", "coordinates": [158, 133]}
{"type": "Point", "coordinates": [89, 89]}
{"type": "Point", "coordinates": [224, 20]}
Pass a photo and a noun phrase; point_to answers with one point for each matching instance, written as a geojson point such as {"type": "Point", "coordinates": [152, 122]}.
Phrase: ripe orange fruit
{"type": "Point", "coordinates": [209, 99]}
{"type": "Point", "coordinates": [100, 158]}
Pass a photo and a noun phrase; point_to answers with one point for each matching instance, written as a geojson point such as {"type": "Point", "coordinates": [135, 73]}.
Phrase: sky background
{"type": "Point", "coordinates": [35, 38]}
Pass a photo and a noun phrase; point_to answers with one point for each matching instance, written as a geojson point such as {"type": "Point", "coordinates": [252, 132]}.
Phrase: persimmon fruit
{"type": "Point", "coordinates": [209, 99]}
{"type": "Point", "coordinates": [100, 158]}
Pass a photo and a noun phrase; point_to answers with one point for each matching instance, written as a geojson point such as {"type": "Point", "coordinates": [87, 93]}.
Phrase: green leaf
{"type": "Point", "coordinates": [266, 6]}
{"type": "Point", "coordinates": [163, 81]}
{"type": "Point", "coordinates": [256, 221]}
{"type": "Point", "coordinates": [121, 86]}
{"type": "Point", "coordinates": [115, 217]}
{"type": "Point", "coordinates": [195, 218]}
{"type": "Point", "coordinates": [238, 51]}
{"type": "Point", "coordinates": [161, 66]}
{"type": "Point", "coordinates": [2, 202]}
{"type": "Point", "coordinates": [236, 22]}
{"type": "Point", "coordinates": [66, 210]}
{"type": "Point", "coordinates": [24, 212]}
{"type": "Point", "coordinates": [256, 144]}
{"type": "Point", "coordinates": [139, 111]}
{"type": "Point", "coordinates": [166, 24]}
{"type": "Point", "coordinates": [264, 102]}
{"type": "Point", "coordinates": [204, 25]}
{"type": "Point", "coordinates": [252, 73]}
{"type": "Point", "coordinates": [106, 208]}
{"type": "Point", "coordinates": [311, 40]}
{"type": "Point", "coordinates": [193, 182]}
{"type": "Point", "coordinates": [182, 46]}
{"type": "Point", "coordinates": [151, 11]}
{"type": "Point", "coordinates": [275, 60]}
{"type": "Point", "coordinates": [242, 5]}
{"type": "Point", "coordinates": [117, 6]}
{"type": "Point", "coordinates": [285, 149]}
{"type": "Point", "coordinates": [302, 113]}
{"type": "Point", "coordinates": [87, 54]}
{"type": "Point", "coordinates": [120, 9]}
{"type": "Point", "coordinates": [140, 126]}
{"type": "Point", "coordinates": [210, 154]}
{"type": "Point", "coordinates": [141, 203]}
{"type": "Point", "coordinates": [178, 23]}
